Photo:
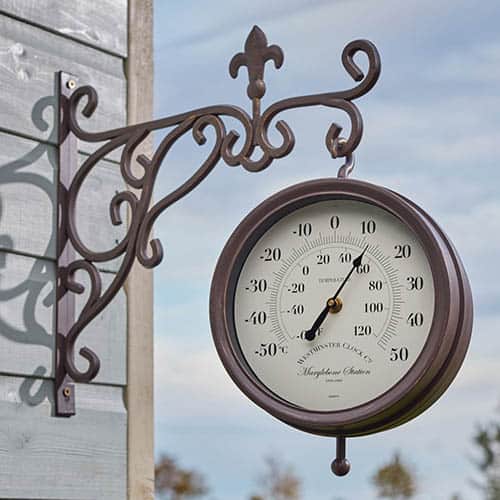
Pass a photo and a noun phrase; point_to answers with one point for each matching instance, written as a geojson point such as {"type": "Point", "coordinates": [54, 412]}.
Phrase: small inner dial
{"type": "Point", "coordinates": [334, 304]}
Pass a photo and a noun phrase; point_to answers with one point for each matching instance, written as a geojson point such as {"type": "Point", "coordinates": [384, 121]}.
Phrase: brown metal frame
{"type": "Point", "coordinates": [432, 372]}
{"type": "Point", "coordinates": [75, 256]}
{"type": "Point", "coordinates": [65, 310]}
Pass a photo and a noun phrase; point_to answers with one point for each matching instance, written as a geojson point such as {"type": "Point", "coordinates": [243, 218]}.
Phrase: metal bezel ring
{"type": "Point", "coordinates": [434, 369]}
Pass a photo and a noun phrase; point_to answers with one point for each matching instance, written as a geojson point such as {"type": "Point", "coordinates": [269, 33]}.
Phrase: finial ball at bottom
{"type": "Point", "coordinates": [341, 466]}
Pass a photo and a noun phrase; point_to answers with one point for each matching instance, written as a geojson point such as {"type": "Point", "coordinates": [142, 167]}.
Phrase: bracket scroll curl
{"type": "Point", "coordinates": [254, 152]}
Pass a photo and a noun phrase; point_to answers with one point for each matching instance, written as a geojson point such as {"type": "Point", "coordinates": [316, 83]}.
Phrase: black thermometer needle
{"type": "Point", "coordinates": [311, 333]}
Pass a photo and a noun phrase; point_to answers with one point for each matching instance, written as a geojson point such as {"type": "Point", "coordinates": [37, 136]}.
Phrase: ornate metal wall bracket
{"type": "Point", "coordinates": [255, 153]}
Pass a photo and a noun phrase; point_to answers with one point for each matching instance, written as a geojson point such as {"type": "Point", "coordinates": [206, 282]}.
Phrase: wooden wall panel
{"type": "Point", "coordinates": [141, 470]}
{"type": "Point", "coordinates": [101, 24]}
{"type": "Point", "coordinates": [28, 174]}
{"type": "Point", "coordinates": [27, 323]}
{"type": "Point", "coordinates": [27, 196]}
{"type": "Point", "coordinates": [43, 457]}
{"type": "Point", "coordinates": [29, 61]}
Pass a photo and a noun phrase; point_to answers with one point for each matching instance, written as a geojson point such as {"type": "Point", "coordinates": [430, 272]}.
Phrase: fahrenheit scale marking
{"type": "Point", "coordinates": [344, 245]}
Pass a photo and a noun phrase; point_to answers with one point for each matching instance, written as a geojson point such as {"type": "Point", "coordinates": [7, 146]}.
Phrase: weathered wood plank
{"type": "Point", "coordinates": [27, 196]}
{"type": "Point", "coordinates": [27, 323]}
{"type": "Point", "coordinates": [29, 61]}
{"type": "Point", "coordinates": [43, 457]}
{"type": "Point", "coordinates": [28, 175]}
{"type": "Point", "coordinates": [101, 24]}
{"type": "Point", "coordinates": [140, 282]}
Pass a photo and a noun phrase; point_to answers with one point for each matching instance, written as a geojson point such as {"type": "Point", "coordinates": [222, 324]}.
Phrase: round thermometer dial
{"type": "Point", "coordinates": [341, 308]}
{"type": "Point", "coordinates": [361, 276]}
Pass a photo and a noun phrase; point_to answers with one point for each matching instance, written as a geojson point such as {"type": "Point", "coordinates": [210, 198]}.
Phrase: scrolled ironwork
{"type": "Point", "coordinates": [228, 146]}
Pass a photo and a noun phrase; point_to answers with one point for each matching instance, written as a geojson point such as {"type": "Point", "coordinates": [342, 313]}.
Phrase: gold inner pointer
{"type": "Point", "coordinates": [334, 306]}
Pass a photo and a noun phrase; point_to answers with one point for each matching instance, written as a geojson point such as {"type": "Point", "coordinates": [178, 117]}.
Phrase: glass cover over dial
{"type": "Point", "coordinates": [334, 304]}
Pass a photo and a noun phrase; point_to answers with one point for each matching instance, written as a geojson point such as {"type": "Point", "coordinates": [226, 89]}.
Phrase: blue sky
{"type": "Point", "coordinates": [432, 132]}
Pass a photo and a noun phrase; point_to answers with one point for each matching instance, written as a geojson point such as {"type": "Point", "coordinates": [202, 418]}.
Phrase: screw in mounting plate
{"type": "Point", "coordinates": [71, 84]}
{"type": "Point", "coordinates": [67, 392]}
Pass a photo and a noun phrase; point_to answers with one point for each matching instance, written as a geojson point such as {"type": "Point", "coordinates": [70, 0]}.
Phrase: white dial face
{"type": "Point", "coordinates": [334, 304]}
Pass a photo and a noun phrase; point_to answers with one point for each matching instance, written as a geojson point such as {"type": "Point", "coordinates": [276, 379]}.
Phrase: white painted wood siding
{"type": "Point", "coordinates": [42, 456]}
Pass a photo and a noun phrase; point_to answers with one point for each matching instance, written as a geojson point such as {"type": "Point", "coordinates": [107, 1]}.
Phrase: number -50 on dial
{"type": "Point", "coordinates": [340, 307]}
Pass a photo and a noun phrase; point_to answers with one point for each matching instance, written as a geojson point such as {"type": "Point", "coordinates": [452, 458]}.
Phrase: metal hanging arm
{"type": "Point", "coordinates": [227, 146]}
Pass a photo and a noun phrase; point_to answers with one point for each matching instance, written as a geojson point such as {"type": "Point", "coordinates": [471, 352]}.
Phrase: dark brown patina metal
{"type": "Point", "coordinates": [65, 310]}
{"type": "Point", "coordinates": [227, 146]}
{"type": "Point", "coordinates": [341, 466]}
{"type": "Point", "coordinates": [434, 369]}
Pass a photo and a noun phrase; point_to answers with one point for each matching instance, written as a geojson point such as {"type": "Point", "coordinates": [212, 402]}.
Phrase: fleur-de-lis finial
{"type": "Point", "coordinates": [254, 58]}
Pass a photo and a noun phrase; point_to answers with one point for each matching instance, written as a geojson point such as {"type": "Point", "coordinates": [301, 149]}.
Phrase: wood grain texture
{"type": "Point", "coordinates": [100, 24]}
{"type": "Point", "coordinates": [29, 60]}
{"type": "Point", "coordinates": [43, 457]}
{"type": "Point", "coordinates": [27, 323]}
{"type": "Point", "coordinates": [140, 282]}
{"type": "Point", "coordinates": [28, 173]}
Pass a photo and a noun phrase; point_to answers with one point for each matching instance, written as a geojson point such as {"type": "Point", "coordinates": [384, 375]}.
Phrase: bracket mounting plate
{"type": "Point", "coordinates": [66, 303]}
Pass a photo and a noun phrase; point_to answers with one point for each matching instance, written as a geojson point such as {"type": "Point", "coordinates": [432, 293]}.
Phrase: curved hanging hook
{"type": "Point", "coordinates": [346, 169]}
